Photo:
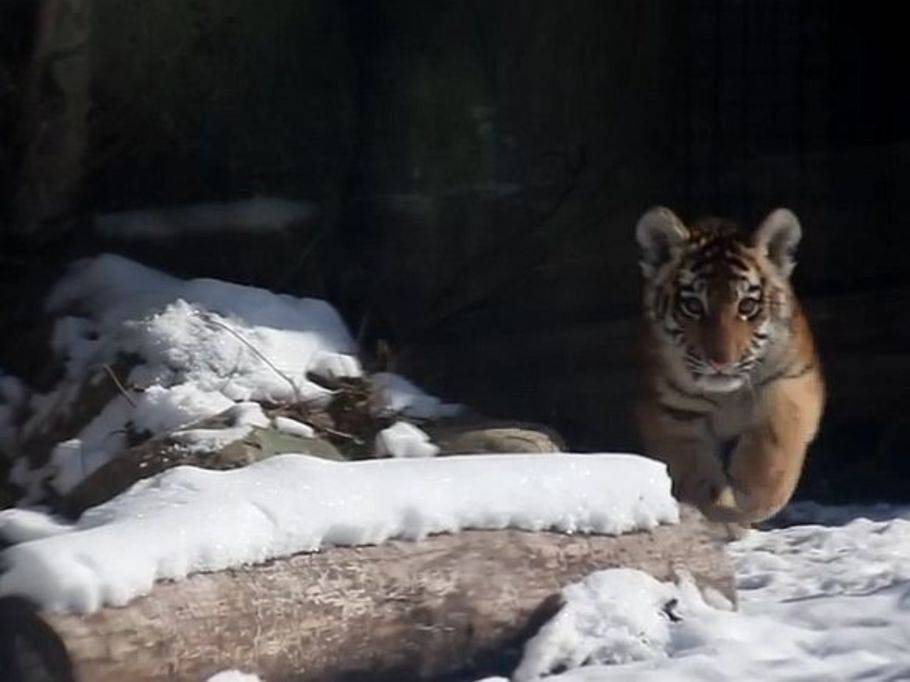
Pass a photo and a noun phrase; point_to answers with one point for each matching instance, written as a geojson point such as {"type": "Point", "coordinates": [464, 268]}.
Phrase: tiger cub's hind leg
{"type": "Point", "coordinates": [766, 463]}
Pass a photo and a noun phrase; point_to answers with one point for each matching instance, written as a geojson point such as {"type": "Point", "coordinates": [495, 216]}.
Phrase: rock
{"type": "Point", "coordinates": [169, 451]}
{"type": "Point", "coordinates": [276, 442]}
{"type": "Point", "coordinates": [345, 428]}
{"type": "Point", "coordinates": [488, 437]}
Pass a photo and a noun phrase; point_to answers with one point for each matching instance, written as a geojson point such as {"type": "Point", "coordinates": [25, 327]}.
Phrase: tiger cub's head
{"type": "Point", "coordinates": [716, 299]}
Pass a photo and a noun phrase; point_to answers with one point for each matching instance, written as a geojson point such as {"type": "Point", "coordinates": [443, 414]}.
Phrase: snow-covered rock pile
{"type": "Point", "coordinates": [146, 354]}
{"type": "Point", "coordinates": [188, 520]}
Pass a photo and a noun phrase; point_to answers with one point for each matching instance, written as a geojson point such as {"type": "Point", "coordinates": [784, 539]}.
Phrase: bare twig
{"type": "Point", "coordinates": [301, 258]}
{"type": "Point", "coordinates": [211, 320]}
{"type": "Point", "coordinates": [122, 389]}
{"type": "Point", "coordinates": [342, 434]}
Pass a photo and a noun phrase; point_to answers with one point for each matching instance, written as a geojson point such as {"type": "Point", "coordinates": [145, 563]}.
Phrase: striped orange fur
{"type": "Point", "coordinates": [733, 389]}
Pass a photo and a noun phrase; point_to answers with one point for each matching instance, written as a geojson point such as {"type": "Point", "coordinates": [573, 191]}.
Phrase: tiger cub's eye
{"type": "Point", "coordinates": [748, 307]}
{"type": "Point", "coordinates": [691, 306]}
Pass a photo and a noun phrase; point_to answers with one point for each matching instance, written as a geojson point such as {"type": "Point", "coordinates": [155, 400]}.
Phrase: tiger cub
{"type": "Point", "coordinates": [733, 386]}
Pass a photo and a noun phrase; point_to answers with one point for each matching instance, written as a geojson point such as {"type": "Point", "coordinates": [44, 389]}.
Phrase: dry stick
{"type": "Point", "coordinates": [211, 320]}
{"type": "Point", "coordinates": [123, 391]}
{"type": "Point", "coordinates": [342, 434]}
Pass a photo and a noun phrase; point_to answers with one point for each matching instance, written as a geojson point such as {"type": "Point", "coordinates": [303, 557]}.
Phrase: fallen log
{"type": "Point", "coordinates": [435, 609]}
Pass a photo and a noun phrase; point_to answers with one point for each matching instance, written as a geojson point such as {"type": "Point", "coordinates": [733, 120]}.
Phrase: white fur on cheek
{"type": "Point", "coordinates": [719, 384]}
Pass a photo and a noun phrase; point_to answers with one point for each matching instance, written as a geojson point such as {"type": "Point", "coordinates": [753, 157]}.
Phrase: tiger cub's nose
{"type": "Point", "coordinates": [722, 367]}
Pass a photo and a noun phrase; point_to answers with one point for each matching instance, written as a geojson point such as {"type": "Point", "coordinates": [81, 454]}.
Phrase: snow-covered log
{"type": "Point", "coordinates": [400, 610]}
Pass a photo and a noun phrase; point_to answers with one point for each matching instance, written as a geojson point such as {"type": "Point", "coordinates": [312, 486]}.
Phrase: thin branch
{"type": "Point", "coordinates": [123, 391]}
{"type": "Point", "coordinates": [341, 434]}
{"type": "Point", "coordinates": [282, 281]}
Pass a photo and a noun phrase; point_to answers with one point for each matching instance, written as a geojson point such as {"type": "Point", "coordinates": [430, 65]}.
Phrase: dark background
{"type": "Point", "coordinates": [477, 168]}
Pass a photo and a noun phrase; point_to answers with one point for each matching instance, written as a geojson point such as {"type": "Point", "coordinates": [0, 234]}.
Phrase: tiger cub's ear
{"type": "Point", "coordinates": [777, 238]}
{"type": "Point", "coordinates": [659, 232]}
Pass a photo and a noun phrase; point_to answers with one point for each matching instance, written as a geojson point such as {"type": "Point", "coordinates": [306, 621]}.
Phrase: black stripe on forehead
{"type": "Point", "coordinates": [721, 252]}
{"type": "Point", "coordinates": [738, 262]}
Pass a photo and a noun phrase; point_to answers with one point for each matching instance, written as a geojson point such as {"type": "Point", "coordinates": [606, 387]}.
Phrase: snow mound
{"type": "Point", "coordinates": [613, 616]}
{"type": "Point", "coordinates": [403, 397]}
{"type": "Point", "coordinates": [815, 603]}
{"type": "Point", "coordinates": [23, 525]}
{"type": "Point", "coordinates": [195, 348]}
{"type": "Point", "coordinates": [234, 676]}
{"type": "Point", "coordinates": [188, 520]}
{"type": "Point", "coordinates": [246, 342]}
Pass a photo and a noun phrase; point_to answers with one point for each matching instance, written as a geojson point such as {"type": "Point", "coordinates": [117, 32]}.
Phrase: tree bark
{"type": "Point", "coordinates": [446, 606]}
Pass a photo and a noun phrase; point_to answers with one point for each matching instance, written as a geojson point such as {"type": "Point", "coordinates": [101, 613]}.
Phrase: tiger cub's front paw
{"type": "Point", "coordinates": [713, 496]}
{"type": "Point", "coordinates": [705, 491]}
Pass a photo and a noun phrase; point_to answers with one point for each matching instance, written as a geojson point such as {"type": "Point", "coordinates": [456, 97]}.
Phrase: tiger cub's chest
{"type": "Point", "coordinates": [732, 415]}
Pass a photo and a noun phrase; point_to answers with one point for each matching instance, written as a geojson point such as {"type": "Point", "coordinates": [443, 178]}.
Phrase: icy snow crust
{"type": "Point", "coordinates": [817, 602]}
{"type": "Point", "coordinates": [188, 520]}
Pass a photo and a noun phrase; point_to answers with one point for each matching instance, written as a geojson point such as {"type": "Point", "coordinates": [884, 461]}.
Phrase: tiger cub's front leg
{"type": "Point", "coordinates": [766, 462]}
{"type": "Point", "coordinates": [683, 441]}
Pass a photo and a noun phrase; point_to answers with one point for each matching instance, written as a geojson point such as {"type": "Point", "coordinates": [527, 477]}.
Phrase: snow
{"type": "Point", "coordinates": [234, 676]}
{"type": "Point", "coordinates": [611, 616]}
{"type": "Point", "coordinates": [240, 420]}
{"type": "Point", "coordinates": [258, 214]}
{"type": "Point", "coordinates": [293, 427]}
{"type": "Point", "coordinates": [810, 561]}
{"type": "Point", "coordinates": [200, 330]}
{"type": "Point", "coordinates": [182, 351]}
{"type": "Point", "coordinates": [403, 397]}
{"type": "Point", "coordinates": [198, 348]}
{"type": "Point", "coordinates": [333, 366]}
{"type": "Point", "coordinates": [103, 437]}
{"type": "Point", "coordinates": [23, 525]}
{"type": "Point", "coordinates": [159, 409]}
{"type": "Point", "coordinates": [188, 520]}
{"type": "Point", "coordinates": [188, 342]}
{"type": "Point", "coordinates": [816, 602]}
{"type": "Point", "coordinates": [402, 439]}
